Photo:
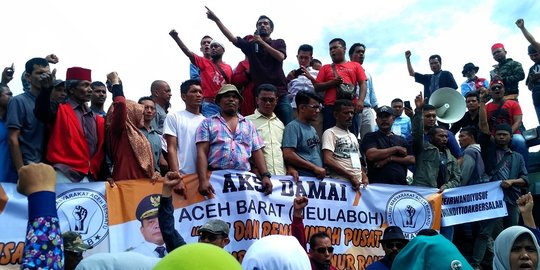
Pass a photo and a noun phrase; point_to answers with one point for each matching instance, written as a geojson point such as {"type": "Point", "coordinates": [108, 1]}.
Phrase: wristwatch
{"type": "Point", "coordinates": [267, 174]}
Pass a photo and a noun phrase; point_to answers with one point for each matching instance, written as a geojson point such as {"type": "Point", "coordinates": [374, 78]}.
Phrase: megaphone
{"type": "Point", "coordinates": [450, 104]}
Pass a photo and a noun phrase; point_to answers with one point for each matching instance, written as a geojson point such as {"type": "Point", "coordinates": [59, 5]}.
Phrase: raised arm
{"type": "Point", "coordinates": [409, 65]}
{"type": "Point", "coordinates": [171, 237]}
{"type": "Point", "coordinates": [521, 25]}
{"type": "Point", "coordinates": [212, 16]}
{"type": "Point", "coordinates": [119, 114]}
{"type": "Point", "coordinates": [418, 125]}
{"type": "Point", "coordinates": [182, 46]}
{"type": "Point", "coordinates": [482, 120]}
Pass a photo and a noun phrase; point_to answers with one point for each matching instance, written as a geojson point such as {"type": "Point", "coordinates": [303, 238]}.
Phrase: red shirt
{"type": "Point", "coordinates": [505, 115]}
{"type": "Point", "coordinates": [351, 72]}
{"type": "Point", "coordinates": [211, 78]}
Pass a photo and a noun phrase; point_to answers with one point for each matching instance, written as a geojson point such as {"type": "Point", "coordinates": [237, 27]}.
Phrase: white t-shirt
{"type": "Point", "coordinates": [183, 125]}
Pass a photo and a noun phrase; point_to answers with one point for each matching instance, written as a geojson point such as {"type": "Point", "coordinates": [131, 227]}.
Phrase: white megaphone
{"type": "Point", "coordinates": [450, 104]}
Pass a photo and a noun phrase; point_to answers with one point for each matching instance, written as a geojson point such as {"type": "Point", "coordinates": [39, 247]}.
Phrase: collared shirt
{"type": "Point", "coordinates": [271, 131]}
{"type": "Point", "coordinates": [154, 139]}
{"type": "Point", "coordinates": [301, 83]}
{"type": "Point", "coordinates": [229, 150]}
{"type": "Point", "coordinates": [147, 249]}
{"type": "Point", "coordinates": [371, 98]}
{"type": "Point", "coordinates": [87, 118]}
{"type": "Point", "coordinates": [402, 127]}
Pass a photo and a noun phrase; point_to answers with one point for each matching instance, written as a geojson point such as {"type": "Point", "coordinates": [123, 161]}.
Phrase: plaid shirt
{"type": "Point", "coordinates": [228, 150]}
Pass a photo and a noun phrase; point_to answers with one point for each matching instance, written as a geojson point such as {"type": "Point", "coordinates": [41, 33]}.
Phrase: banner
{"type": "Point", "coordinates": [111, 219]}
{"type": "Point", "coordinates": [473, 203]}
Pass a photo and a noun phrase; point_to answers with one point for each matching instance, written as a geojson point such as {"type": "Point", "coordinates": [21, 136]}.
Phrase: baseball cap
{"type": "Point", "coordinates": [215, 226]}
{"type": "Point", "coordinates": [385, 109]}
{"type": "Point", "coordinates": [73, 242]}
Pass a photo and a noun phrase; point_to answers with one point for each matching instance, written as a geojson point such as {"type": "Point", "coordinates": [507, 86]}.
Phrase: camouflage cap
{"type": "Point", "coordinates": [148, 207]}
{"type": "Point", "coordinates": [73, 242]}
{"type": "Point", "coordinates": [215, 226]}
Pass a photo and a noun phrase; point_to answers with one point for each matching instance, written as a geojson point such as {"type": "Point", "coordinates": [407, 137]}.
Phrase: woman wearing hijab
{"type": "Point", "coordinates": [516, 248]}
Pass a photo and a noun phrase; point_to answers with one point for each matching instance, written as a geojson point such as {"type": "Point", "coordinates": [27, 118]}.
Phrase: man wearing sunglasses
{"type": "Point", "coordinates": [320, 247]}
{"type": "Point", "coordinates": [393, 241]}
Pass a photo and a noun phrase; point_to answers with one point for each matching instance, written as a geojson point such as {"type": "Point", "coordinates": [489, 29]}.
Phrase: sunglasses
{"type": "Point", "coordinates": [209, 236]}
{"type": "Point", "coordinates": [391, 245]}
{"type": "Point", "coordinates": [267, 100]}
{"type": "Point", "coordinates": [496, 87]}
{"type": "Point", "coordinates": [323, 250]}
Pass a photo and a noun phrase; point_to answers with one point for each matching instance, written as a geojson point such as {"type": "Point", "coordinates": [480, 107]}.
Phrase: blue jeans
{"type": "Point", "coordinates": [520, 145]}
{"type": "Point", "coordinates": [208, 109]}
{"type": "Point", "coordinates": [284, 110]}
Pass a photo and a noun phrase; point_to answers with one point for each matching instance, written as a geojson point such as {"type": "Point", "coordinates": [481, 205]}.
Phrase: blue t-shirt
{"type": "Point", "coordinates": [304, 139]}
{"type": "Point", "coordinates": [7, 170]}
{"type": "Point", "coordinates": [20, 115]}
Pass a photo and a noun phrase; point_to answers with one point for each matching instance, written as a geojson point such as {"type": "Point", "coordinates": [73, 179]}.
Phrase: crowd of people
{"type": "Point", "coordinates": [320, 120]}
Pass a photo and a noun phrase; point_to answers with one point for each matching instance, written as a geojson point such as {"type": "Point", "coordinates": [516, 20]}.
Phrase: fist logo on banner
{"type": "Point", "coordinates": [410, 211]}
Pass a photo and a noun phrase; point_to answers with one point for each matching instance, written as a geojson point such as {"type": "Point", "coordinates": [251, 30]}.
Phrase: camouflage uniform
{"type": "Point", "coordinates": [511, 73]}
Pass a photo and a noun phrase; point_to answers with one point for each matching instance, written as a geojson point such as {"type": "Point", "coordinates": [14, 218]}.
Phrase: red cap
{"type": "Point", "coordinates": [79, 73]}
{"type": "Point", "coordinates": [496, 46]}
{"type": "Point", "coordinates": [496, 81]}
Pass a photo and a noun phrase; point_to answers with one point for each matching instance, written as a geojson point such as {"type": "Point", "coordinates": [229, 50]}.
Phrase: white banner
{"type": "Point", "coordinates": [472, 203]}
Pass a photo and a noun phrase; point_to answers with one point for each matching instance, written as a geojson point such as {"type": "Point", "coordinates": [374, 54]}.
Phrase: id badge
{"type": "Point", "coordinates": [355, 160]}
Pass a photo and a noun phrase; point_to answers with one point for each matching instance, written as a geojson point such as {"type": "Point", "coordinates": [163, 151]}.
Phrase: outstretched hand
{"type": "Point", "coordinates": [173, 33]}
{"type": "Point", "coordinates": [520, 23]}
{"type": "Point", "coordinates": [211, 15]}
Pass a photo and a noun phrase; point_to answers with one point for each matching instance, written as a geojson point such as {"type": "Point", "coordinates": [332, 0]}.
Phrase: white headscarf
{"type": "Point", "coordinates": [117, 261]}
{"type": "Point", "coordinates": [276, 252]}
{"type": "Point", "coordinates": [504, 243]}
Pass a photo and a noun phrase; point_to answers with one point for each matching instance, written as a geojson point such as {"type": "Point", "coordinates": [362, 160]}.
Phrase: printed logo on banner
{"type": "Point", "coordinates": [410, 211]}
{"type": "Point", "coordinates": [84, 211]}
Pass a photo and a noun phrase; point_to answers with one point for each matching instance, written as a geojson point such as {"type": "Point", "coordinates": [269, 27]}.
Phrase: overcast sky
{"type": "Point", "coordinates": [131, 37]}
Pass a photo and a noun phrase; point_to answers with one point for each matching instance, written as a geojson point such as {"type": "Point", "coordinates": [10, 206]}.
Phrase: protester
{"type": "Point", "coordinates": [275, 252]}
{"type": "Point", "coordinates": [431, 82]}
{"type": "Point", "coordinates": [161, 94]}
{"type": "Point", "coordinates": [526, 204]}
{"type": "Point", "coordinates": [470, 118]}
{"type": "Point", "coordinates": [473, 84]}
{"type": "Point", "coordinates": [516, 248]}
{"type": "Point", "coordinates": [79, 156]}
{"type": "Point", "coordinates": [74, 247]}
{"type": "Point", "coordinates": [227, 141]}
{"type": "Point", "coordinates": [180, 129]}
{"type": "Point", "coordinates": [320, 246]}
{"type": "Point", "coordinates": [266, 56]}
{"type": "Point", "coordinates": [194, 72]}
{"type": "Point", "coordinates": [99, 96]}
{"type": "Point", "coordinates": [533, 77]}
{"type": "Point", "coordinates": [392, 242]}
{"type": "Point", "coordinates": [402, 122]}
{"type": "Point", "coordinates": [510, 71]}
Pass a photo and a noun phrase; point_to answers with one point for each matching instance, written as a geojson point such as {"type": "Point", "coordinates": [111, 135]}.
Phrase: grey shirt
{"type": "Point", "coordinates": [304, 139]}
{"type": "Point", "coordinates": [155, 143]}
{"type": "Point", "coordinates": [20, 116]}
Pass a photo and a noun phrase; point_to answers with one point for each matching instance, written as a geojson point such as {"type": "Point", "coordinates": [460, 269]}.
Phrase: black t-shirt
{"type": "Point", "coordinates": [392, 172]}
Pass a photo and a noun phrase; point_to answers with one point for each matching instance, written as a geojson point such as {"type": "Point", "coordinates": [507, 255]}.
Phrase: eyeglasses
{"type": "Point", "coordinates": [496, 87]}
{"type": "Point", "coordinates": [323, 250]}
{"type": "Point", "coordinates": [315, 107]}
{"type": "Point", "coordinates": [267, 100]}
{"type": "Point", "coordinates": [391, 245]}
{"type": "Point", "coordinates": [209, 236]}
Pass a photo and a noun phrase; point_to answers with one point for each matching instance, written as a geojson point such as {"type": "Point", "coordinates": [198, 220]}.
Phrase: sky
{"type": "Point", "coordinates": [131, 37]}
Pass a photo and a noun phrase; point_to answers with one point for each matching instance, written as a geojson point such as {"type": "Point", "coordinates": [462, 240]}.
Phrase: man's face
{"type": "Point", "coordinates": [440, 139]}
{"type": "Point", "coordinates": [385, 121]}
{"type": "Point", "coordinates": [99, 95]}
{"type": "Point", "coordinates": [523, 254]}
{"type": "Point", "coordinates": [535, 57]}
{"type": "Point", "coordinates": [496, 91]}
{"type": "Point", "coordinates": [465, 139]}
{"type": "Point", "coordinates": [163, 92]}
{"type": "Point", "coordinates": [194, 96]}
{"type": "Point", "coordinates": [82, 92]}
{"type": "Point", "coordinates": [499, 54]}
{"type": "Point", "coordinates": [322, 251]}
{"type": "Point", "coordinates": [398, 108]}
{"type": "Point", "coordinates": [34, 77]}
{"type": "Point", "coordinates": [214, 239]}
{"type": "Point", "coordinates": [470, 74]}
{"type": "Point", "coordinates": [149, 110]}
{"type": "Point", "coordinates": [151, 232]}
{"type": "Point", "coordinates": [266, 102]}
{"type": "Point", "coordinates": [58, 93]}
{"type": "Point", "coordinates": [216, 51]}
{"type": "Point", "coordinates": [345, 116]}
{"type": "Point", "coordinates": [5, 96]}
{"type": "Point", "coordinates": [430, 118]}
{"type": "Point", "coordinates": [502, 138]}
{"type": "Point", "coordinates": [229, 103]}
{"type": "Point", "coordinates": [263, 27]}
{"type": "Point", "coordinates": [358, 54]}
{"type": "Point", "coordinates": [472, 103]}
{"type": "Point", "coordinates": [205, 46]}
{"type": "Point", "coordinates": [435, 65]}
{"type": "Point", "coordinates": [311, 111]}
{"type": "Point", "coordinates": [337, 52]}
{"type": "Point", "coordinates": [304, 58]}
{"type": "Point", "coordinates": [392, 248]}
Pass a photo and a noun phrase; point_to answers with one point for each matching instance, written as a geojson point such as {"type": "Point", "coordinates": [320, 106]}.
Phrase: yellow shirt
{"type": "Point", "coordinates": [271, 130]}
